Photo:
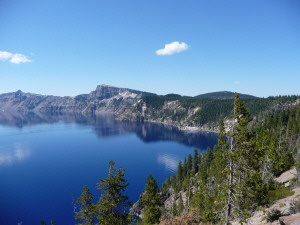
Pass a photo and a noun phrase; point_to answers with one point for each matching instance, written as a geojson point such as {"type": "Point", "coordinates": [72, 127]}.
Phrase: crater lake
{"type": "Point", "coordinates": [45, 160]}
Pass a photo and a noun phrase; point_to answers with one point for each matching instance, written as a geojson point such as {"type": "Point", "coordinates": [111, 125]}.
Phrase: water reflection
{"type": "Point", "coordinates": [106, 126]}
{"type": "Point", "coordinates": [17, 153]}
{"type": "Point", "coordinates": [170, 162]}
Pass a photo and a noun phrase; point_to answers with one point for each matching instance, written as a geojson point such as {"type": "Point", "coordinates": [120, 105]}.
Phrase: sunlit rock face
{"type": "Point", "coordinates": [104, 99]}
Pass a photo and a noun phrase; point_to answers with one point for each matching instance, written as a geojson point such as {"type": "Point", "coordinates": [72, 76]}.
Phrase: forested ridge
{"type": "Point", "coordinates": [224, 184]}
{"type": "Point", "coordinates": [199, 111]}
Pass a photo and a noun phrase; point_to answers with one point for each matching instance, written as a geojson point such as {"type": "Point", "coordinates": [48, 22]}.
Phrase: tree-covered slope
{"type": "Point", "coordinates": [223, 95]}
{"type": "Point", "coordinates": [206, 113]}
{"type": "Point", "coordinates": [232, 181]}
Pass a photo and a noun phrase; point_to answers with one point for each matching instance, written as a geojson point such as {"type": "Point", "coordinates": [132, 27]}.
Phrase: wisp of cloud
{"type": "Point", "coordinates": [172, 48]}
{"type": "Point", "coordinates": [13, 58]}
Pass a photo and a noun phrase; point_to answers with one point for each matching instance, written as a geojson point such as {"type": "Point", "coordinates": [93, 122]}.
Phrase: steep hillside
{"type": "Point", "coordinates": [104, 98]}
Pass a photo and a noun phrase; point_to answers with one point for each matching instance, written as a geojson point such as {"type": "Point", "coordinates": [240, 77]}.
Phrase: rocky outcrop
{"type": "Point", "coordinates": [104, 99]}
{"type": "Point", "coordinates": [290, 220]}
{"type": "Point", "coordinates": [136, 209]}
{"type": "Point", "coordinates": [285, 177]}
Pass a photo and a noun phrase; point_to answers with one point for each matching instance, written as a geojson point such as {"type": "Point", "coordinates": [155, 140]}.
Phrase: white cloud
{"type": "Point", "coordinates": [172, 48]}
{"type": "Point", "coordinates": [5, 55]}
{"type": "Point", "coordinates": [13, 58]}
{"type": "Point", "coordinates": [236, 82]}
{"type": "Point", "coordinates": [19, 58]}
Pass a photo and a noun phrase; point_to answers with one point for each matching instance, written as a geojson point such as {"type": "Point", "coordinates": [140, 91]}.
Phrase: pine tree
{"type": "Point", "coordinates": [297, 160]}
{"type": "Point", "coordinates": [184, 167]}
{"type": "Point", "coordinates": [189, 165]}
{"type": "Point", "coordinates": [222, 139]}
{"type": "Point", "coordinates": [179, 175]}
{"type": "Point", "coordinates": [238, 167]}
{"type": "Point", "coordinates": [86, 213]}
{"type": "Point", "coordinates": [174, 208]}
{"type": "Point", "coordinates": [113, 204]}
{"type": "Point", "coordinates": [151, 202]}
{"type": "Point", "coordinates": [180, 205]}
{"type": "Point", "coordinates": [195, 162]}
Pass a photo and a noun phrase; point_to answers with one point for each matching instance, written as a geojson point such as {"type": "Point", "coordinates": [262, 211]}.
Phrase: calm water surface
{"type": "Point", "coordinates": [46, 160]}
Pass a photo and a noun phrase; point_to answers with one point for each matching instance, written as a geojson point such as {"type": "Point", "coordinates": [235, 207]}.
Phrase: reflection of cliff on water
{"type": "Point", "coordinates": [106, 126]}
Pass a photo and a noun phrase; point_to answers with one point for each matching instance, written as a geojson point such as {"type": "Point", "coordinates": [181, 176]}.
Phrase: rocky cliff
{"type": "Point", "coordinates": [125, 104]}
{"type": "Point", "coordinates": [104, 98]}
{"type": "Point", "coordinates": [187, 113]}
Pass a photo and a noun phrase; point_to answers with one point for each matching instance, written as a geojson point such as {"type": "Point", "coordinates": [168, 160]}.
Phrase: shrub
{"type": "Point", "coordinates": [273, 215]}
{"type": "Point", "coordinates": [295, 207]}
{"type": "Point", "coordinates": [277, 194]}
{"type": "Point", "coordinates": [282, 204]}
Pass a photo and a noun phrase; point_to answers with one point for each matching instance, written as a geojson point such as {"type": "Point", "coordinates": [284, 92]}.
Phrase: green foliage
{"type": "Point", "coordinates": [87, 210]}
{"type": "Point", "coordinates": [180, 205]}
{"type": "Point", "coordinates": [151, 202]}
{"type": "Point", "coordinates": [174, 208]}
{"type": "Point", "coordinates": [44, 223]}
{"type": "Point", "coordinates": [251, 154]}
{"type": "Point", "coordinates": [277, 194]}
{"type": "Point", "coordinates": [210, 110]}
{"type": "Point", "coordinates": [222, 95]}
{"type": "Point", "coordinates": [113, 204]}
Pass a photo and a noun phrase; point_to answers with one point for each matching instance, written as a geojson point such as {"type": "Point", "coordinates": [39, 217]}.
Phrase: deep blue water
{"type": "Point", "coordinates": [46, 160]}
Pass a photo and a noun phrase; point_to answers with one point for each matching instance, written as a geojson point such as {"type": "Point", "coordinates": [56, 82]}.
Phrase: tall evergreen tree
{"type": "Point", "coordinates": [180, 205]}
{"type": "Point", "coordinates": [189, 165]}
{"type": "Point", "coordinates": [184, 167]}
{"type": "Point", "coordinates": [195, 162]}
{"type": "Point", "coordinates": [238, 166]}
{"type": "Point", "coordinates": [151, 202]}
{"type": "Point", "coordinates": [113, 204]}
{"type": "Point", "coordinates": [297, 159]}
{"type": "Point", "coordinates": [179, 175]}
{"type": "Point", "coordinates": [87, 210]}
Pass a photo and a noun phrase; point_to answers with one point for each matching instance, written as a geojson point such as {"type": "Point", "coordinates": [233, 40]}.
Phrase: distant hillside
{"type": "Point", "coordinates": [198, 113]}
{"type": "Point", "coordinates": [223, 95]}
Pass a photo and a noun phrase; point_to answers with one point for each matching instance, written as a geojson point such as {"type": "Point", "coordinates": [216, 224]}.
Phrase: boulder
{"type": "Point", "coordinates": [287, 176]}
{"type": "Point", "coordinates": [290, 220]}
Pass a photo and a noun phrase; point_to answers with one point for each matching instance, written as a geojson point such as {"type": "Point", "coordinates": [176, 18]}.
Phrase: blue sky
{"type": "Point", "coordinates": [250, 47]}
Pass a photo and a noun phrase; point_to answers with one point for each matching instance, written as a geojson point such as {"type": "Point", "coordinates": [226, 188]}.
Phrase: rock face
{"type": "Point", "coordinates": [125, 104]}
{"type": "Point", "coordinates": [287, 176]}
{"type": "Point", "coordinates": [104, 98]}
{"type": "Point", "coordinates": [290, 220]}
{"type": "Point", "coordinates": [136, 209]}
